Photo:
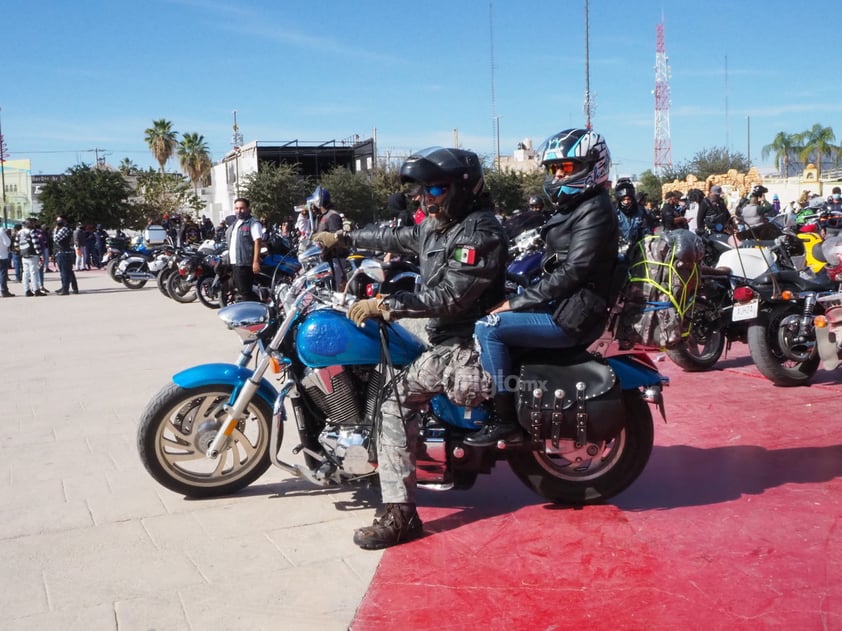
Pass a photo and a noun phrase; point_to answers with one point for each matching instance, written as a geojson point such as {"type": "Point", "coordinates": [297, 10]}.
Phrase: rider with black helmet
{"type": "Point", "coordinates": [568, 306]}
{"type": "Point", "coordinates": [633, 220]}
{"type": "Point", "coordinates": [461, 249]}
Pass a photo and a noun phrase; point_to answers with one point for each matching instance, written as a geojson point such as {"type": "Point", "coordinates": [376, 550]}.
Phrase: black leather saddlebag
{"type": "Point", "coordinates": [589, 410]}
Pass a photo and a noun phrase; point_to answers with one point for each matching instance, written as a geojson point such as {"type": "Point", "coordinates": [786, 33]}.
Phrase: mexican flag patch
{"type": "Point", "coordinates": [465, 254]}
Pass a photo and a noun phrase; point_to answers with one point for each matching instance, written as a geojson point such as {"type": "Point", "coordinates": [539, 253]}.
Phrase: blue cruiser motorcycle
{"type": "Point", "coordinates": [218, 427]}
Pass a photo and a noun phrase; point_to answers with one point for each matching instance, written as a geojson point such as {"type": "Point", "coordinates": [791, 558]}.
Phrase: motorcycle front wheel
{"type": "Point", "coordinates": [179, 424]}
{"type": "Point", "coordinates": [765, 338]}
{"type": "Point", "coordinates": [703, 347]}
{"type": "Point", "coordinates": [591, 473]}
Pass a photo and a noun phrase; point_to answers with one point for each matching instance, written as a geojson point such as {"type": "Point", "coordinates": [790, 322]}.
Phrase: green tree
{"type": "Point", "coordinates": [162, 140]}
{"type": "Point", "coordinates": [677, 171]}
{"type": "Point", "coordinates": [784, 146]}
{"type": "Point", "coordinates": [160, 194]}
{"type": "Point", "coordinates": [507, 188]}
{"type": "Point", "coordinates": [650, 184]}
{"type": "Point", "coordinates": [816, 143]}
{"type": "Point", "coordinates": [88, 195]}
{"type": "Point", "coordinates": [716, 161]}
{"type": "Point", "coordinates": [127, 167]}
{"type": "Point", "coordinates": [273, 190]}
{"type": "Point", "coordinates": [352, 194]}
{"type": "Point", "coordinates": [194, 158]}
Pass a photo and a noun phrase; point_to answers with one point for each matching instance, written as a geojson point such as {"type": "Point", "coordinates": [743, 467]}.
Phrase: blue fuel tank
{"type": "Point", "coordinates": [329, 338]}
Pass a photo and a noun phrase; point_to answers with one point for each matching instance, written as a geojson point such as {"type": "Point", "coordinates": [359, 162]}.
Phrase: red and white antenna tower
{"type": "Point", "coordinates": [663, 143]}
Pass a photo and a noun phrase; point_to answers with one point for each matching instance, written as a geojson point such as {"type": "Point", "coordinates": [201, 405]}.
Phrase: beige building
{"type": "Point", "coordinates": [16, 179]}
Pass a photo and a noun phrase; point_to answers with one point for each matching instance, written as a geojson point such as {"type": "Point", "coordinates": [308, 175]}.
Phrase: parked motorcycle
{"type": "Point", "coordinates": [218, 427]}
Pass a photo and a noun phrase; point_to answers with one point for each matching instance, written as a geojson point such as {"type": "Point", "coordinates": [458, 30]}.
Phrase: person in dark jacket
{"type": "Point", "coordinates": [670, 210]}
{"type": "Point", "coordinates": [633, 221]}
{"type": "Point", "coordinates": [65, 257]}
{"type": "Point", "coordinates": [568, 306]}
{"type": "Point", "coordinates": [713, 213]}
{"type": "Point", "coordinates": [461, 249]}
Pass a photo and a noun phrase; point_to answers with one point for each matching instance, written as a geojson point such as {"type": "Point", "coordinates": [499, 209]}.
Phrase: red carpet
{"type": "Point", "coordinates": [736, 523]}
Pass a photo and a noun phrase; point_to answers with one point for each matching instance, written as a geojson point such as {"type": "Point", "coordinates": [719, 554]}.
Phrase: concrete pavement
{"type": "Point", "coordinates": [89, 541]}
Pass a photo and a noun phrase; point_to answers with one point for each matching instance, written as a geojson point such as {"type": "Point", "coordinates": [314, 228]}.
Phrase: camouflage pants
{"type": "Point", "coordinates": [398, 438]}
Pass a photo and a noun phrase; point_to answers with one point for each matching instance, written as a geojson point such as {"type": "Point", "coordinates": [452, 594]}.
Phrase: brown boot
{"type": "Point", "coordinates": [399, 523]}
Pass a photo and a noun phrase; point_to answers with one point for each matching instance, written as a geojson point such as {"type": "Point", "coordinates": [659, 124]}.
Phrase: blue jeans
{"type": "Point", "coordinates": [496, 333]}
{"type": "Point", "coordinates": [65, 261]}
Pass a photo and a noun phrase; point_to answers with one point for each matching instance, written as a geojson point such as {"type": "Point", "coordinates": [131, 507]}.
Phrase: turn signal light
{"type": "Point", "coordinates": [786, 294]}
{"type": "Point", "coordinates": [743, 294]}
{"type": "Point", "coordinates": [820, 321]}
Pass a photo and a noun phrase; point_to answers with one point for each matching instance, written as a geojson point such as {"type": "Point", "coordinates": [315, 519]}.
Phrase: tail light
{"type": "Point", "coordinates": [744, 294]}
{"type": "Point", "coordinates": [371, 290]}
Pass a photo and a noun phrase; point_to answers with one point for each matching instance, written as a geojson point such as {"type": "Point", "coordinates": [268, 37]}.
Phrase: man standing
{"type": "Point", "coordinates": [63, 239]}
{"type": "Point", "coordinates": [245, 238]}
{"type": "Point", "coordinates": [5, 263]}
{"type": "Point", "coordinates": [30, 255]}
{"type": "Point", "coordinates": [80, 242]}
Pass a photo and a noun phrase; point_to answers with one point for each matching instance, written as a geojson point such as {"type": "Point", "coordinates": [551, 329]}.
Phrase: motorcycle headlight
{"type": "Point", "coordinates": [246, 319]}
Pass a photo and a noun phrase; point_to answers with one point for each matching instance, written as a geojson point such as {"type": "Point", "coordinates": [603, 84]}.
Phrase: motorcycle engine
{"type": "Point", "coordinates": [332, 390]}
{"type": "Point", "coordinates": [349, 446]}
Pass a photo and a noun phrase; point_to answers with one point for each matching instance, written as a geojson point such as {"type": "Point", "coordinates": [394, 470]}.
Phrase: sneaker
{"type": "Point", "coordinates": [7, 294]}
{"type": "Point", "coordinates": [41, 292]}
{"type": "Point", "coordinates": [29, 294]}
{"type": "Point", "coordinates": [62, 292]}
{"type": "Point", "coordinates": [493, 433]}
{"type": "Point", "coordinates": [399, 523]}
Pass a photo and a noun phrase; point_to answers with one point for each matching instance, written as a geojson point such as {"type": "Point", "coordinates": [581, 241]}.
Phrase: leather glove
{"type": "Point", "coordinates": [362, 310]}
{"type": "Point", "coordinates": [330, 240]}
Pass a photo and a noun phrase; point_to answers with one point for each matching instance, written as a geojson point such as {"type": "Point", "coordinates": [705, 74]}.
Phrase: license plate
{"type": "Point", "coordinates": [745, 310]}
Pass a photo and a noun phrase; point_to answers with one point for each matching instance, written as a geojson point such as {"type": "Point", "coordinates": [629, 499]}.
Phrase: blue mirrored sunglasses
{"type": "Point", "coordinates": [435, 190]}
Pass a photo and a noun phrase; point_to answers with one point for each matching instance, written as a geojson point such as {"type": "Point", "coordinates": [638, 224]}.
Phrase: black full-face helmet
{"type": "Point", "coordinates": [536, 202]}
{"type": "Point", "coordinates": [459, 171]}
{"type": "Point", "coordinates": [624, 188]}
{"type": "Point", "coordinates": [577, 161]}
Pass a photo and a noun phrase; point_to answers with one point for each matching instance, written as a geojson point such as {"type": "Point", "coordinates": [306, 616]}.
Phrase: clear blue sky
{"type": "Point", "coordinates": [94, 75]}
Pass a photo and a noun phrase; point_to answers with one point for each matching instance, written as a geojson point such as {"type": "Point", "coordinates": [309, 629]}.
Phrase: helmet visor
{"type": "Point", "coordinates": [564, 168]}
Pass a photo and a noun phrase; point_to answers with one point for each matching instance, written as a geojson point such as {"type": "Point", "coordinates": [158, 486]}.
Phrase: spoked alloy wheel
{"type": "Point", "coordinates": [593, 472]}
{"type": "Point", "coordinates": [177, 428]}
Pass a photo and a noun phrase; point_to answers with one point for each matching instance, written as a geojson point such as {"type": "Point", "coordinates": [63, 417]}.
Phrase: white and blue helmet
{"type": "Point", "coordinates": [576, 161]}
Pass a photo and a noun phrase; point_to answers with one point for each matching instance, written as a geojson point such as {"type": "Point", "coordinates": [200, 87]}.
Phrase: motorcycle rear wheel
{"type": "Point", "coordinates": [703, 347]}
{"type": "Point", "coordinates": [765, 347]}
{"type": "Point", "coordinates": [176, 429]}
{"type": "Point", "coordinates": [161, 281]}
{"type": "Point", "coordinates": [207, 294]}
{"type": "Point", "coordinates": [113, 268]}
{"type": "Point", "coordinates": [132, 283]}
{"type": "Point", "coordinates": [181, 289]}
{"type": "Point", "coordinates": [576, 478]}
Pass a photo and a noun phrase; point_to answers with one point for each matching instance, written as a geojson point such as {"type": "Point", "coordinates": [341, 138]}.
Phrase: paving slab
{"type": "Point", "coordinates": [89, 541]}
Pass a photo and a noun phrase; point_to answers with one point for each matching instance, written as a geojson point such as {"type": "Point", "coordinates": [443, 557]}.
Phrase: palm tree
{"type": "Point", "coordinates": [194, 158]}
{"type": "Point", "coordinates": [784, 147]}
{"type": "Point", "coordinates": [127, 167]}
{"type": "Point", "coordinates": [161, 140]}
{"type": "Point", "coordinates": [817, 142]}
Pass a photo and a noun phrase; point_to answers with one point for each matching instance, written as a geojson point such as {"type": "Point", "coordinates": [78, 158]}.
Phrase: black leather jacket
{"type": "Point", "coordinates": [579, 258]}
{"type": "Point", "coordinates": [463, 268]}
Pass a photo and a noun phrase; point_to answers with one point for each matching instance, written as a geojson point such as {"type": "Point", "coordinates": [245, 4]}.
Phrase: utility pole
{"type": "Point", "coordinates": [3, 172]}
{"type": "Point", "coordinates": [588, 105]}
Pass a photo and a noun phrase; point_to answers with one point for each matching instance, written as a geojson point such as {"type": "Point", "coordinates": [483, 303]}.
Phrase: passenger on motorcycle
{"type": "Point", "coordinates": [462, 251]}
{"type": "Point", "coordinates": [569, 305]}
